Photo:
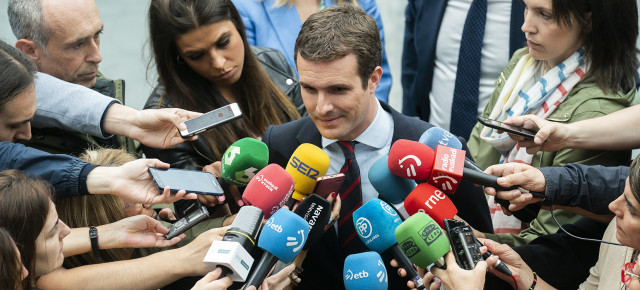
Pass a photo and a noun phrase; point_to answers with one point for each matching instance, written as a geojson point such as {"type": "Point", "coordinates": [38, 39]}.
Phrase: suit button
{"type": "Point", "coordinates": [289, 82]}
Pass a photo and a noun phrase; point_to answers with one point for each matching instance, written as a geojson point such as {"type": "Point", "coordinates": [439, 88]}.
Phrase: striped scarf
{"type": "Point", "coordinates": [521, 95]}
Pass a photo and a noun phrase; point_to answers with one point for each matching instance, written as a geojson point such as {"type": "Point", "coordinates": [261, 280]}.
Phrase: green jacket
{"type": "Point", "coordinates": [585, 101]}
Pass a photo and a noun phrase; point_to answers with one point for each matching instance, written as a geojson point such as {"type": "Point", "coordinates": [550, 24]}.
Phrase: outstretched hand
{"type": "Point", "coordinates": [550, 136]}
{"type": "Point", "coordinates": [158, 128]}
{"type": "Point", "coordinates": [516, 174]}
{"type": "Point", "coordinates": [139, 231]}
{"type": "Point", "coordinates": [132, 182]}
{"type": "Point", "coordinates": [455, 277]}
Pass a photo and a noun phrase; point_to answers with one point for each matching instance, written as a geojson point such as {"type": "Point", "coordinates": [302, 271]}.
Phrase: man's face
{"type": "Point", "coordinates": [333, 94]}
{"type": "Point", "coordinates": [15, 116]}
{"type": "Point", "coordinates": [73, 50]}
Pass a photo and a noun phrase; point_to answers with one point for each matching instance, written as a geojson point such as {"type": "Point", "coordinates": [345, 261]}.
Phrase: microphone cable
{"type": "Point", "coordinates": [577, 237]}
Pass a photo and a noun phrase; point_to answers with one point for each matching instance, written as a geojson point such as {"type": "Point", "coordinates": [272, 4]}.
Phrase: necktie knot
{"type": "Point", "coordinates": [348, 149]}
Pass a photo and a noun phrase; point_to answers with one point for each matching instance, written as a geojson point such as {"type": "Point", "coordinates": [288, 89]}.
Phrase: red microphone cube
{"type": "Point", "coordinates": [447, 169]}
{"type": "Point", "coordinates": [432, 201]}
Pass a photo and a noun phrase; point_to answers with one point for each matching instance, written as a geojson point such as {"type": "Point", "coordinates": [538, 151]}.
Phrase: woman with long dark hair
{"type": "Point", "coordinates": [204, 62]}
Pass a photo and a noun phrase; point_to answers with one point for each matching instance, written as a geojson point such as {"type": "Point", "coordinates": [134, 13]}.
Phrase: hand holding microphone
{"type": "Point", "coordinates": [516, 174]}
{"type": "Point", "coordinates": [375, 223]}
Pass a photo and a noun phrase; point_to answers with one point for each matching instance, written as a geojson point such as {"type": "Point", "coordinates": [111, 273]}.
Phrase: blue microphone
{"type": "Point", "coordinates": [435, 136]}
{"type": "Point", "coordinates": [365, 271]}
{"type": "Point", "coordinates": [390, 187]}
{"type": "Point", "coordinates": [282, 238]}
{"type": "Point", "coordinates": [376, 222]}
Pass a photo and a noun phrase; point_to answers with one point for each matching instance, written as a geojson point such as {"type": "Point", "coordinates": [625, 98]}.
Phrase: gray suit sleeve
{"type": "Point", "coordinates": [69, 106]}
{"type": "Point", "coordinates": [591, 188]}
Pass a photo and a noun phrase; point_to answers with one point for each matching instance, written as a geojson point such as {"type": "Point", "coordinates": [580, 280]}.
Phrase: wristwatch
{"type": "Point", "coordinates": [93, 235]}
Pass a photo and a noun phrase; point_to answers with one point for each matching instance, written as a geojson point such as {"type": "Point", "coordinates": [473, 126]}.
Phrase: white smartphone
{"type": "Point", "coordinates": [211, 119]}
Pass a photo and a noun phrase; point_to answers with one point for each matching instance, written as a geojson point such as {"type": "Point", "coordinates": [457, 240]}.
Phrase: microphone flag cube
{"type": "Point", "coordinates": [447, 168]}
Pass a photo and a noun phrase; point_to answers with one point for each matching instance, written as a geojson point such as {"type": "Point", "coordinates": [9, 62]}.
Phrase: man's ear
{"type": "Point", "coordinates": [29, 48]}
{"type": "Point", "coordinates": [374, 78]}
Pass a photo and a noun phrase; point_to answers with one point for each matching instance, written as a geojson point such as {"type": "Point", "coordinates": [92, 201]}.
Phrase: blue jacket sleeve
{"type": "Point", "coordinates": [67, 174]}
{"type": "Point", "coordinates": [591, 188]}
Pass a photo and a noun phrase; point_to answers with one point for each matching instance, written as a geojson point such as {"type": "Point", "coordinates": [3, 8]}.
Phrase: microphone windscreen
{"type": "Point", "coordinates": [306, 164]}
{"type": "Point", "coordinates": [242, 160]}
{"type": "Point", "coordinates": [410, 159]}
{"type": "Point", "coordinates": [284, 235]}
{"type": "Point", "coordinates": [422, 240]}
{"type": "Point", "coordinates": [391, 187]}
{"type": "Point", "coordinates": [248, 222]}
{"type": "Point", "coordinates": [432, 201]}
{"type": "Point", "coordinates": [435, 136]}
{"type": "Point", "coordinates": [316, 211]}
{"type": "Point", "coordinates": [365, 271]}
{"type": "Point", "coordinates": [375, 223]}
{"type": "Point", "coordinates": [269, 189]}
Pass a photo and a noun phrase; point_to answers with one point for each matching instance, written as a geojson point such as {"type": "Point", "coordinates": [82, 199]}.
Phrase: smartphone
{"type": "Point", "coordinates": [210, 120]}
{"type": "Point", "coordinates": [187, 222]}
{"type": "Point", "coordinates": [192, 181]}
{"type": "Point", "coordinates": [327, 184]}
{"type": "Point", "coordinates": [506, 127]}
{"type": "Point", "coordinates": [464, 246]}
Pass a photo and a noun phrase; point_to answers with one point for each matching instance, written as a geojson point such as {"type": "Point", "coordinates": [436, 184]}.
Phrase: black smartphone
{"type": "Point", "coordinates": [465, 247]}
{"type": "Point", "coordinates": [506, 127]}
{"type": "Point", "coordinates": [192, 181]}
{"type": "Point", "coordinates": [187, 222]}
{"type": "Point", "coordinates": [211, 119]}
{"type": "Point", "coordinates": [327, 184]}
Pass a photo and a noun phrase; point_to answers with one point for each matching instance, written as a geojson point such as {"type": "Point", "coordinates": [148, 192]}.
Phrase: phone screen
{"type": "Point", "coordinates": [506, 127]}
{"type": "Point", "coordinates": [211, 119]}
{"type": "Point", "coordinates": [190, 180]}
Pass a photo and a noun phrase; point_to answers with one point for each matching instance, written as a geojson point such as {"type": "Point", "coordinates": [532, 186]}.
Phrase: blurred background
{"type": "Point", "coordinates": [125, 50]}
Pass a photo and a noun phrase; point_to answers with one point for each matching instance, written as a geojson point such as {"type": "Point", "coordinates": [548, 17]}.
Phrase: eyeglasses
{"type": "Point", "coordinates": [626, 273]}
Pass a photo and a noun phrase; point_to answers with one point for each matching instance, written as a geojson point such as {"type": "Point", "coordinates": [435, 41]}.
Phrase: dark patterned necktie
{"type": "Point", "coordinates": [351, 195]}
{"type": "Point", "coordinates": [465, 94]}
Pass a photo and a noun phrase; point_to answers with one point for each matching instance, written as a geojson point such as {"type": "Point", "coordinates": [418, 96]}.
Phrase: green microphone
{"type": "Point", "coordinates": [239, 164]}
{"type": "Point", "coordinates": [242, 160]}
{"type": "Point", "coordinates": [423, 240]}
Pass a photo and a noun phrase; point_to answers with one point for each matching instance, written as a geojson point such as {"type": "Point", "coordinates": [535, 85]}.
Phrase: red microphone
{"type": "Point", "coordinates": [448, 168]}
{"type": "Point", "coordinates": [432, 201]}
{"type": "Point", "coordinates": [269, 189]}
{"type": "Point", "coordinates": [410, 159]}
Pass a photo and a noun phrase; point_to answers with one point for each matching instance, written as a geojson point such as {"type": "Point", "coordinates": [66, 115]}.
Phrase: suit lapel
{"type": "Point", "coordinates": [309, 133]}
{"type": "Point", "coordinates": [284, 21]}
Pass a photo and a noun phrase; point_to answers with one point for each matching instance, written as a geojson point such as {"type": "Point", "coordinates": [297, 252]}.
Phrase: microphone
{"type": "Point", "coordinates": [447, 170]}
{"type": "Point", "coordinates": [306, 164]}
{"type": "Point", "coordinates": [232, 253]}
{"type": "Point", "coordinates": [430, 200]}
{"type": "Point", "coordinates": [282, 238]}
{"type": "Point", "coordinates": [422, 240]}
{"type": "Point", "coordinates": [410, 159]}
{"type": "Point", "coordinates": [375, 223]}
{"type": "Point", "coordinates": [269, 190]}
{"type": "Point", "coordinates": [365, 271]}
{"type": "Point", "coordinates": [316, 211]}
{"type": "Point", "coordinates": [435, 136]}
{"type": "Point", "coordinates": [240, 163]}
{"type": "Point", "coordinates": [390, 187]}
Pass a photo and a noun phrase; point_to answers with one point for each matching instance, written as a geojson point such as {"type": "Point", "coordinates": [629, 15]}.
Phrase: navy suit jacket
{"type": "Point", "coordinates": [324, 262]}
{"type": "Point", "coordinates": [422, 25]}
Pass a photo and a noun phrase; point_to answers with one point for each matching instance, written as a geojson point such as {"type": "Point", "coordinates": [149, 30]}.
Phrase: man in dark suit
{"type": "Point", "coordinates": [338, 56]}
{"type": "Point", "coordinates": [433, 41]}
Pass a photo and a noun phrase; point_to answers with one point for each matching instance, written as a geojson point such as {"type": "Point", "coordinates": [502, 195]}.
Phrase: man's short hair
{"type": "Point", "coordinates": [337, 31]}
{"type": "Point", "coordinates": [27, 21]}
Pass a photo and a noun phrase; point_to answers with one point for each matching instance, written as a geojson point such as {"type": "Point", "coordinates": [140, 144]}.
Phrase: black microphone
{"type": "Point", "coordinates": [316, 211]}
{"type": "Point", "coordinates": [527, 214]}
{"type": "Point", "coordinates": [232, 253]}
